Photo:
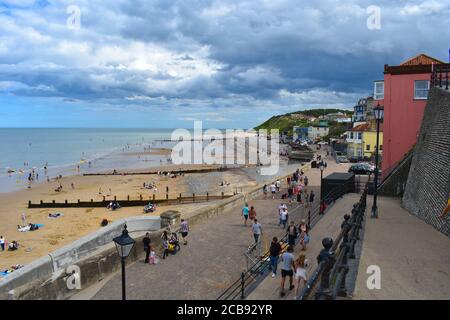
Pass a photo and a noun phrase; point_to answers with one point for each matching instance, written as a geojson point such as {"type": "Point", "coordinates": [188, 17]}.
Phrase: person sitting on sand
{"type": "Point", "coordinates": [14, 245]}
{"type": "Point", "coordinates": [33, 227]}
{"type": "Point", "coordinates": [115, 206]}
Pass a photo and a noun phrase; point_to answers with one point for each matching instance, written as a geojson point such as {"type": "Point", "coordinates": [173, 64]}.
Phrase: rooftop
{"type": "Point", "coordinates": [421, 59]}
{"type": "Point", "coordinates": [421, 63]}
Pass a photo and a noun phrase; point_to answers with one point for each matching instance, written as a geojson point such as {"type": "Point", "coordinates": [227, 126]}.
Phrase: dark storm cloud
{"type": "Point", "coordinates": [285, 53]}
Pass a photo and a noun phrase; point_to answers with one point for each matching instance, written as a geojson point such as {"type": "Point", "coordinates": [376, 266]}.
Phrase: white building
{"type": "Point", "coordinates": [317, 132]}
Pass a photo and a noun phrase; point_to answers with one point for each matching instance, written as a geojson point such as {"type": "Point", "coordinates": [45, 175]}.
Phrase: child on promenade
{"type": "Point", "coordinates": [300, 274]}
{"type": "Point", "coordinates": [252, 213]}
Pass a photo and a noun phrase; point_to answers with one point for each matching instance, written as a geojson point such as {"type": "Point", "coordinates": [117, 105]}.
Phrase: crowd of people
{"type": "Point", "coordinates": [296, 234]}
{"type": "Point", "coordinates": [170, 242]}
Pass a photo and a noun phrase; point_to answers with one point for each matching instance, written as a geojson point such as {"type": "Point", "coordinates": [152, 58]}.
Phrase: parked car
{"type": "Point", "coordinates": [361, 168]}
{"type": "Point", "coordinates": [353, 159]}
{"type": "Point", "coordinates": [341, 159]}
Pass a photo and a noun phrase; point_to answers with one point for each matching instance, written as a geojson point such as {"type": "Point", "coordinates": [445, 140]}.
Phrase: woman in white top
{"type": "Point", "coordinates": [300, 274]}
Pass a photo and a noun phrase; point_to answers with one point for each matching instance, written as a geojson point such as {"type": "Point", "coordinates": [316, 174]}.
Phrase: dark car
{"type": "Point", "coordinates": [361, 168]}
{"type": "Point", "coordinates": [353, 159]}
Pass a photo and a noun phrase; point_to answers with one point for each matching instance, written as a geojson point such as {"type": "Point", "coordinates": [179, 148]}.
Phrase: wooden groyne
{"type": "Point", "coordinates": [128, 202]}
{"type": "Point", "coordinates": [163, 172]}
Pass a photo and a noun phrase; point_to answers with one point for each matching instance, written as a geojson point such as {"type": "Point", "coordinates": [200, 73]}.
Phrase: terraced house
{"type": "Point", "coordinates": [361, 140]}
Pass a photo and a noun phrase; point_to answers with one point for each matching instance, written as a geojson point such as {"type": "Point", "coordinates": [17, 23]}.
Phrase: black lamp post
{"type": "Point", "coordinates": [321, 167]}
{"type": "Point", "coordinates": [378, 113]}
{"type": "Point", "coordinates": [124, 243]}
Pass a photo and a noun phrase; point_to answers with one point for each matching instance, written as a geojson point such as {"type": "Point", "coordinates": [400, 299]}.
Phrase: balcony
{"type": "Point", "coordinates": [440, 76]}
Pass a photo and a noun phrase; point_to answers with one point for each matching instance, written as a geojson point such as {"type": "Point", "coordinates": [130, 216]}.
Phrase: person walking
{"type": "Point", "coordinates": [306, 197]}
{"type": "Point", "coordinates": [305, 181]}
{"type": "Point", "coordinates": [257, 230]}
{"type": "Point", "coordinates": [292, 233]}
{"type": "Point", "coordinates": [283, 217]}
{"type": "Point", "coordinates": [2, 243]}
{"type": "Point", "coordinates": [300, 274]}
{"type": "Point", "coordinates": [146, 241]}
{"type": "Point", "coordinates": [304, 234]}
{"type": "Point", "coordinates": [299, 196]}
{"type": "Point", "coordinates": [184, 230]}
{"type": "Point", "coordinates": [245, 213]}
{"type": "Point", "coordinates": [275, 250]}
{"type": "Point", "coordinates": [273, 189]}
{"type": "Point", "coordinates": [252, 213]}
{"type": "Point", "coordinates": [24, 218]}
{"type": "Point", "coordinates": [311, 198]}
{"type": "Point", "coordinates": [165, 243]}
{"type": "Point", "coordinates": [265, 191]}
{"type": "Point", "coordinates": [278, 185]}
{"type": "Point", "coordinates": [287, 268]}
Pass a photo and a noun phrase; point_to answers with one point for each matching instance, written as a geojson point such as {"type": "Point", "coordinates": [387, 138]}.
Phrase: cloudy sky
{"type": "Point", "coordinates": [161, 63]}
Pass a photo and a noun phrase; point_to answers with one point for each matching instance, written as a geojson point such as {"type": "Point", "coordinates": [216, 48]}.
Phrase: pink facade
{"type": "Point", "coordinates": [404, 105]}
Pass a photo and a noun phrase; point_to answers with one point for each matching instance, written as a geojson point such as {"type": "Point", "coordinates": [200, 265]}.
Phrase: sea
{"type": "Point", "coordinates": [71, 151]}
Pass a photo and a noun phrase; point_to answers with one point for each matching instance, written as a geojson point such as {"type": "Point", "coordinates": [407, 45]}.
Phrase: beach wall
{"type": "Point", "coordinates": [73, 252]}
{"type": "Point", "coordinates": [100, 263]}
{"type": "Point", "coordinates": [428, 186]}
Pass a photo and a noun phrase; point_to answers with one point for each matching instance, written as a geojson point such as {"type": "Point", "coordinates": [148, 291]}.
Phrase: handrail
{"type": "Point", "coordinates": [237, 288]}
{"type": "Point", "coordinates": [332, 270]}
{"type": "Point", "coordinates": [397, 167]}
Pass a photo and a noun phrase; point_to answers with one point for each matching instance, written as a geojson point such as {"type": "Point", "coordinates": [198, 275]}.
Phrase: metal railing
{"type": "Point", "coordinates": [259, 269]}
{"type": "Point", "coordinates": [440, 76]}
{"type": "Point", "coordinates": [333, 267]}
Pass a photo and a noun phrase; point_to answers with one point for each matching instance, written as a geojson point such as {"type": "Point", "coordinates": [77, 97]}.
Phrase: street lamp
{"type": "Point", "coordinates": [321, 167]}
{"type": "Point", "coordinates": [124, 243]}
{"type": "Point", "coordinates": [378, 112]}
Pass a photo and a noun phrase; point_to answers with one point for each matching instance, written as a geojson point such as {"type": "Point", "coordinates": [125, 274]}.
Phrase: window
{"type": "Point", "coordinates": [421, 88]}
{"type": "Point", "coordinates": [351, 135]}
{"type": "Point", "coordinates": [359, 135]}
{"type": "Point", "coordinates": [378, 91]}
{"type": "Point", "coordinates": [368, 147]}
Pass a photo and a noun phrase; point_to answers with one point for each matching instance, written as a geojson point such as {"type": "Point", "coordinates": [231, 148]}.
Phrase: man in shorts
{"type": "Point", "coordinates": [184, 229]}
{"type": "Point", "coordinates": [273, 189]}
{"type": "Point", "coordinates": [287, 269]}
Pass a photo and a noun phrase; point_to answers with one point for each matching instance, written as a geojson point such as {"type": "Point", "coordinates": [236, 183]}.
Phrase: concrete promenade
{"type": "Point", "coordinates": [328, 226]}
{"type": "Point", "coordinates": [414, 258]}
{"type": "Point", "coordinates": [213, 259]}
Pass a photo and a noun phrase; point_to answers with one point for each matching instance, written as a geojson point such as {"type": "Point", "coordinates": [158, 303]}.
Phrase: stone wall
{"type": "Point", "coordinates": [428, 186]}
{"type": "Point", "coordinates": [67, 255]}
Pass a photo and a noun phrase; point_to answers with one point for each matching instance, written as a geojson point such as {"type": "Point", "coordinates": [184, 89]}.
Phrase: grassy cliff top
{"type": "Point", "coordinates": [285, 122]}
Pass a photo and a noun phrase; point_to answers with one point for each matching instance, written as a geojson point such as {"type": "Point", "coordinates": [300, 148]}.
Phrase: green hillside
{"type": "Point", "coordinates": [286, 122]}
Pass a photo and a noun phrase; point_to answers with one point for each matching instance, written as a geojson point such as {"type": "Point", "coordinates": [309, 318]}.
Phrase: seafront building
{"type": "Point", "coordinates": [361, 140]}
{"type": "Point", "coordinates": [403, 92]}
{"type": "Point", "coordinates": [318, 131]}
